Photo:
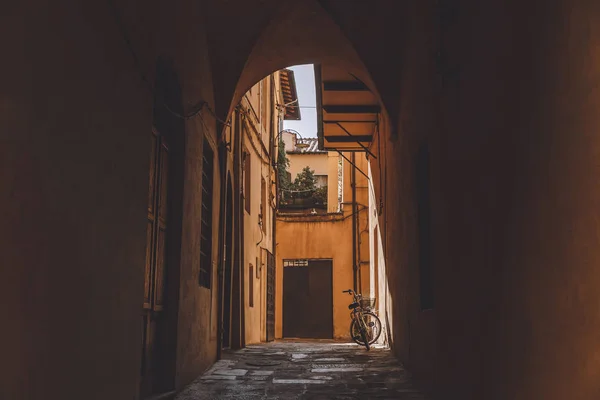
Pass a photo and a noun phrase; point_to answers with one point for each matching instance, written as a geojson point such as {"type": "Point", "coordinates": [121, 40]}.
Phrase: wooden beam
{"type": "Point", "coordinates": [344, 86]}
{"type": "Point", "coordinates": [349, 139]}
{"type": "Point", "coordinates": [352, 109]}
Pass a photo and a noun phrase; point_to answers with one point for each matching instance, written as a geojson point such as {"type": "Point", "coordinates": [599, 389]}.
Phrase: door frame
{"type": "Point", "coordinates": [308, 262]}
{"type": "Point", "coordinates": [165, 123]}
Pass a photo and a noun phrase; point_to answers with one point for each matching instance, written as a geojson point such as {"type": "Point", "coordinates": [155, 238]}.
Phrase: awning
{"type": "Point", "coordinates": [347, 111]}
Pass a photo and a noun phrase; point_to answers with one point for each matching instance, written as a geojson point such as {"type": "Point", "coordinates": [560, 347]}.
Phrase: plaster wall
{"type": "Point", "coordinates": [76, 122]}
{"type": "Point", "coordinates": [333, 182]}
{"type": "Point", "coordinates": [514, 221]}
{"type": "Point", "coordinates": [330, 238]}
{"type": "Point", "coordinates": [257, 239]}
{"type": "Point", "coordinates": [510, 113]}
{"type": "Point", "coordinates": [316, 162]}
{"type": "Point", "coordinates": [532, 224]}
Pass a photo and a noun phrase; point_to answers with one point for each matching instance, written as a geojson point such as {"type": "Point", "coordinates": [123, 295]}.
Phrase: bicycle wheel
{"type": "Point", "coordinates": [373, 325]}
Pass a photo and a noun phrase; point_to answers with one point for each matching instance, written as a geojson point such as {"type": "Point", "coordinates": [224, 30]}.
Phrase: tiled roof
{"type": "Point", "coordinates": [313, 146]}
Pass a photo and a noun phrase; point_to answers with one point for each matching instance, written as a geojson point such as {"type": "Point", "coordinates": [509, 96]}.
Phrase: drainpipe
{"type": "Point", "coordinates": [354, 227]}
{"type": "Point", "coordinates": [274, 210]}
{"type": "Point", "coordinates": [273, 156]}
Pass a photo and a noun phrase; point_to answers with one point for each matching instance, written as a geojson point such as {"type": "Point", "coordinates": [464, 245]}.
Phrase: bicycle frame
{"type": "Point", "coordinates": [357, 314]}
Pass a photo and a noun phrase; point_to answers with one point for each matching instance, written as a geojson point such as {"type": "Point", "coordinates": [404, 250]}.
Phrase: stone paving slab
{"type": "Point", "coordinates": [304, 370]}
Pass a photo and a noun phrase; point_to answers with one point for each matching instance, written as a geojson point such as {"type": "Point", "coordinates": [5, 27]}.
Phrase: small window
{"type": "Point", "coordinates": [251, 285]}
{"type": "Point", "coordinates": [247, 181]}
{"type": "Point", "coordinates": [206, 215]}
{"type": "Point", "coordinates": [321, 180]}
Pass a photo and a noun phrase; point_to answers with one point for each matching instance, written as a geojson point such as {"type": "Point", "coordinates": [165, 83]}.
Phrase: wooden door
{"type": "Point", "coordinates": [154, 279]}
{"type": "Point", "coordinates": [308, 299]}
{"type": "Point", "coordinates": [270, 296]}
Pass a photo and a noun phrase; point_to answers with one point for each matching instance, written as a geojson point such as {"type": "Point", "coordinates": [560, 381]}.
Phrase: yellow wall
{"type": "Point", "coordinates": [316, 161]}
{"type": "Point", "coordinates": [329, 238]}
{"type": "Point", "coordinates": [256, 114]}
{"type": "Point", "coordinates": [333, 159]}
{"type": "Point", "coordinates": [363, 233]}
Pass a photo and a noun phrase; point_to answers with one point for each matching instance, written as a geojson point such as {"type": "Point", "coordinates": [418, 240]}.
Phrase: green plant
{"type": "Point", "coordinates": [305, 181]}
{"type": "Point", "coordinates": [320, 195]}
{"type": "Point", "coordinates": [283, 163]}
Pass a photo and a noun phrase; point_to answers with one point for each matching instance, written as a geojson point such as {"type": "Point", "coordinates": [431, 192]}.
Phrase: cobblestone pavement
{"type": "Point", "coordinates": [304, 370]}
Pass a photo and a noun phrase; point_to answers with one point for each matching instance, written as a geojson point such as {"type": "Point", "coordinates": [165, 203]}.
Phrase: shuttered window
{"type": "Point", "coordinates": [206, 215]}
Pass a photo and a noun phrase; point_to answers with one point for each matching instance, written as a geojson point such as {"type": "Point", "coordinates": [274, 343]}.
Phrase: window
{"type": "Point", "coordinates": [251, 285]}
{"type": "Point", "coordinates": [206, 215]}
{"type": "Point", "coordinates": [263, 204]}
{"type": "Point", "coordinates": [247, 181]}
{"type": "Point", "coordinates": [424, 228]}
{"type": "Point", "coordinates": [321, 180]}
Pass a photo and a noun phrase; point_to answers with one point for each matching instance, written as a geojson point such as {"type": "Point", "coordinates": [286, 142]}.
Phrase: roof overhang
{"type": "Point", "coordinates": [347, 111]}
{"type": "Point", "coordinates": [290, 96]}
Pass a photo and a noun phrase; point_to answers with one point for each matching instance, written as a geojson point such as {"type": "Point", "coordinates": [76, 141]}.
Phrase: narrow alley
{"type": "Point", "coordinates": [291, 369]}
{"type": "Point", "coordinates": [190, 188]}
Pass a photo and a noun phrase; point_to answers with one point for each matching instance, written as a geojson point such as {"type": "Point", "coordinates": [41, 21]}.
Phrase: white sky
{"type": "Point", "coordinates": [307, 98]}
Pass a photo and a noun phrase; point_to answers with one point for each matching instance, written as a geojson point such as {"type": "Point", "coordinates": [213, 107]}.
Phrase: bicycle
{"type": "Point", "coordinates": [365, 327]}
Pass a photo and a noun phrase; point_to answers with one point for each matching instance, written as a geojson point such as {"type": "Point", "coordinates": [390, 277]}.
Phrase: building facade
{"type": "Point", "coordinates": [320, 254]}
{"type": "Point", "coordinates": [247, 281]}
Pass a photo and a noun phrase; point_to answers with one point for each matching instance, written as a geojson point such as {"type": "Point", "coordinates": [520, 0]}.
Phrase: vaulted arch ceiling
{"type": "Point", "coordinates": [250, 39]}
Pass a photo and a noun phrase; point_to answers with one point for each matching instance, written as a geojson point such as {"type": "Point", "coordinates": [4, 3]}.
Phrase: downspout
{"type": "Point", "coordinates": [354, 227]}
{"type": "Point", "coordinates": [273, 157]}
{"type": "Point", "coordinates": [273, 210]}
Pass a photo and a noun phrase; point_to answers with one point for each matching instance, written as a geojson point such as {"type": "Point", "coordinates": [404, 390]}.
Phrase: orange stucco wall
{"type": "Point", "coordinates": [329, 236]}
{"type": "Point", "coordinates": [258, 128]}
{"type": "Point", "coordinates": [330, 239]}
{"type": "Point", "coordinates": [74, 173]}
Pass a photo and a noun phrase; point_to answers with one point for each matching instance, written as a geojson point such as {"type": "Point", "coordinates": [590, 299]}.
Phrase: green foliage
{"type": "Point", "coordinates": [305, 180]}
{"type": "Point", "coordinates": [321, 195]}
{"type": "Point", "coordinates": [303, 191]}
{"type": "Point", "coordinates": [283, 163]}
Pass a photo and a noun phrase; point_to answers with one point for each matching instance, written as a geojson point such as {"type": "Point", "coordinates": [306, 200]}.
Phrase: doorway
{"type": "Point", "coordinates": [308, 298]}
{"type": "Point", "coordinates": [154, 273]}
{"type": "Point", "coordinates": [159, 314]}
